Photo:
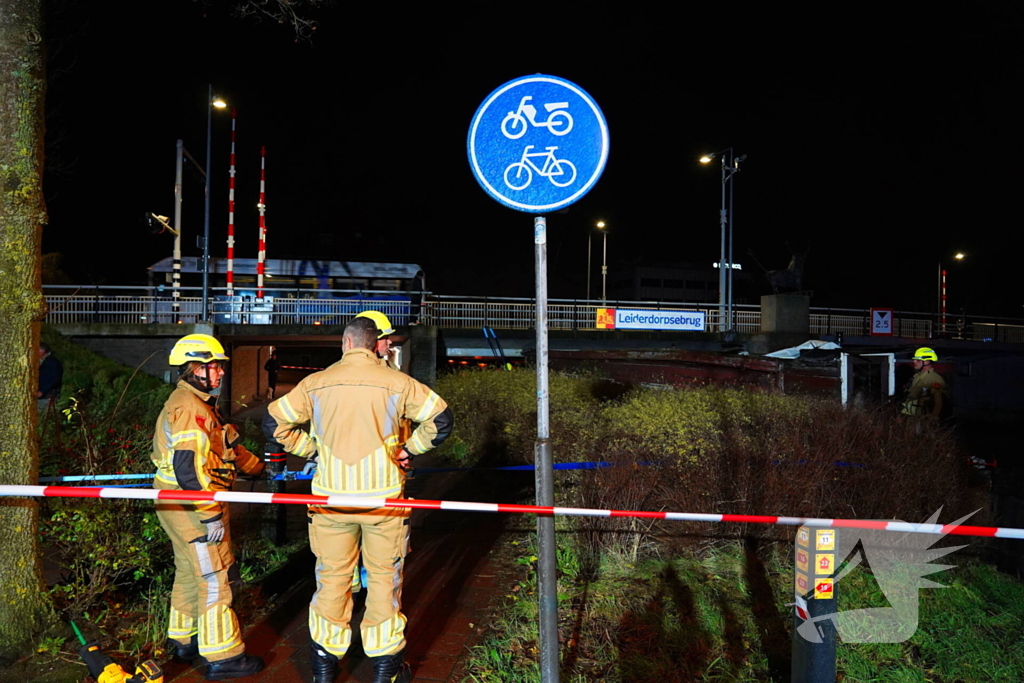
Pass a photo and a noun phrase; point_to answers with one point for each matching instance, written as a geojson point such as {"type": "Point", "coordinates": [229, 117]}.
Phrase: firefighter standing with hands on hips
{"type": "Point", "coordinates": [354, 408]}
{"type": "Point", "coordinates": [926, 393]}
{"type": "Point", "coordinates": [195, 451]}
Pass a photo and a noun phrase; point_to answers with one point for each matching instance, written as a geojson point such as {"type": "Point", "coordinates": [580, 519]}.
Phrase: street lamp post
{"type": "Point", "coordinates": [590, 250]}
{"type": "Point", "coordinates": [730, 166]}
{"type": "Point", "coordinates": [604, 262]}
{"type": "Point", "coordinates": [211, 102]}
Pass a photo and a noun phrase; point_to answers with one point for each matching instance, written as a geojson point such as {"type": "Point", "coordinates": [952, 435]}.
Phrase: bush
{"type": "Point", "coordinates": [496, 416]}
{"type": "Point", "coordinates": [711, 450]}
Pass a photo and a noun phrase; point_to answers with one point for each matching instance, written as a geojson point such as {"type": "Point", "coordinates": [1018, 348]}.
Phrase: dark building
{"type": "Point", "coordinates": [683, 282]}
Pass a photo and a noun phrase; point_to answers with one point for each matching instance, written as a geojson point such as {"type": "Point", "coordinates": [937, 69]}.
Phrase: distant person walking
{"type": "Point", "coordinates": [272, 366]}
{"type": "Point", "coordinates": [51, 378]}
{"type": "Point", "coordinates": [926, 393]}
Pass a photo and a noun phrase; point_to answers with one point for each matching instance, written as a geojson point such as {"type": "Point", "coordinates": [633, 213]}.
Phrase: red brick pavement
{"type": "Point", "coordinates": [451, 581]}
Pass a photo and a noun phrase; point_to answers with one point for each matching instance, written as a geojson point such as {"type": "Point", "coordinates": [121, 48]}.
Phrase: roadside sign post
{"type": "Point", "coordinates": [537, 144]}
{"type": "Point", "coordinates": [882, 322]}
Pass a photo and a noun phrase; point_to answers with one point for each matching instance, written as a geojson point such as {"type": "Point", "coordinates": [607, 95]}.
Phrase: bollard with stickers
{"type": "Point", "coordinates": [814, 630]}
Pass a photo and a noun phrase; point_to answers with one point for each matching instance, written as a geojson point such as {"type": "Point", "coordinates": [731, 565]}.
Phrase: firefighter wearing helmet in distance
{"type": "Point", "coordinates": [926, 393]}
{"type": "Point", "coordinates": [195, 451]}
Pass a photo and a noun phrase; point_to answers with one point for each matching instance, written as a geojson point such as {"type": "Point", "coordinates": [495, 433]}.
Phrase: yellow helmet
{"type": "Point", "coordinates": [384, 327]}
{"type": "Point", "coordinates": [201, 348]}
{"type": "Point", "coordinates": [925, 353]}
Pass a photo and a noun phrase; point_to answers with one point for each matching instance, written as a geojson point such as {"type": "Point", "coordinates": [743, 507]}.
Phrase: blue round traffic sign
{"type": "Point", "coordinates": [538, 143]}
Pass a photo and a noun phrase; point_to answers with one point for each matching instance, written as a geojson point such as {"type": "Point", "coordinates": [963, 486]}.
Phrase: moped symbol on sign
{"type": "Point", "coordinates": [538, 143]}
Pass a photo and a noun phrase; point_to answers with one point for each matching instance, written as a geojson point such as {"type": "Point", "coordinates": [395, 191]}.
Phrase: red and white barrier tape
{"type": "Point", "coordinates": [375, 502]}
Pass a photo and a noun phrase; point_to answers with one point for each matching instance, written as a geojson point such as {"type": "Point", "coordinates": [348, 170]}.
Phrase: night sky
{"type": "Point", "coordinates": [884, 139]}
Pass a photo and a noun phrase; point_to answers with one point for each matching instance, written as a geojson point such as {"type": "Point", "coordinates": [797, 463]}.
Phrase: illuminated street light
{"type": "Point", "coordinates": [600, 226]}
{"type": "Point", "coordinates": [604, 262]}
{"type": "Point", "coordinates": [211, 104]}
{"type": "Point", "coordinates": [730, 166]}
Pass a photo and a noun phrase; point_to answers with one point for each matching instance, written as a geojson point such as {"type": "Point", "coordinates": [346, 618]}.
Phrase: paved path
{"type": "Point", "coordinates": [451, 581]}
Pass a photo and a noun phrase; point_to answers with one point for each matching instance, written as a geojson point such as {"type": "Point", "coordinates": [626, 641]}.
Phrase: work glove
{"type": "Point", "coordinates": [404, 459]}
{"type": "Point", "coordinates": [214, 531]}
{"type": "Point", "coordinates": [310, 466]}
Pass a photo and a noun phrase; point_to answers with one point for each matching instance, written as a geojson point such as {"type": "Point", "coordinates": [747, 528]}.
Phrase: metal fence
{"type": "Point", "coordinates": [138, 305]}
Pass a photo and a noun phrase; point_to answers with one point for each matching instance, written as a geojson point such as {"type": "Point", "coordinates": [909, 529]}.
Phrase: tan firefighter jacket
{"type": "Point", "coordinates": [354, 409]}
{"type": "Point", "coordinates": [926, 394]}
{"type": "Point", "coordinates": [194, 450]}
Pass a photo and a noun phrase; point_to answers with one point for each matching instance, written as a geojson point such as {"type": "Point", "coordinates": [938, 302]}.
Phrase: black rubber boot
{"type": "Point", "coordinates": [185, 653]}
{"type": "Point", "coordinates": [391, 669]}
{"type": "Point", "coordinates": [323, 664]}
{"type": "Point", "coordinates": [236, 667]}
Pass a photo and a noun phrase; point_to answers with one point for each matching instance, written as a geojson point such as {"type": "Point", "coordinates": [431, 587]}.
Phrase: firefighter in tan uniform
{"type": "Point", "coordinates": [926, 394]}
{"type": "Point", "coordinates": [353, 409]}
{"type": "Point", "coordinates": [195, 451]}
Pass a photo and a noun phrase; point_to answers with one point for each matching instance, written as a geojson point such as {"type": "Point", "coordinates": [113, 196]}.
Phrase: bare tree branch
{"type": "Point", "coordinates": [293, 13]}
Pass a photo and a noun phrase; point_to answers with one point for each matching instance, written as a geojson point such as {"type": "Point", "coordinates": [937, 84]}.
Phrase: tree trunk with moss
{"type": "Point", "coordinates": [24, 605]}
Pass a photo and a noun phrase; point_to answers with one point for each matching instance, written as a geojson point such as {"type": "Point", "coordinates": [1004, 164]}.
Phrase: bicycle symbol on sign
{"type": "Point", "coordinates": [560, 172]}
{"type": "Point", "coordinates": [559, 121]}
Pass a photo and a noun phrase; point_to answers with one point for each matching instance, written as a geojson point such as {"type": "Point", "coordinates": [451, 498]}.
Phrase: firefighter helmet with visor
{"type": "Point", "coordinates": [200, 348]}
{"type": "Point", "coordinates": [382, 322]}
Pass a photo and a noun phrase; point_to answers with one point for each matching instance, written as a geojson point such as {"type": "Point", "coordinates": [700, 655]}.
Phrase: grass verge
{"type": "Point", "coordinates": [721, 614]}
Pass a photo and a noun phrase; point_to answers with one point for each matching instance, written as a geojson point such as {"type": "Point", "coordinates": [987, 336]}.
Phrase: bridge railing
{"type": "Point", "coordinates": [139, 305]}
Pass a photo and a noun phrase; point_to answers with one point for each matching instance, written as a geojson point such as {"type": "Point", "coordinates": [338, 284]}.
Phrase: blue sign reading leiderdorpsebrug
{"type": "Point", "coordinates": [538, 143]}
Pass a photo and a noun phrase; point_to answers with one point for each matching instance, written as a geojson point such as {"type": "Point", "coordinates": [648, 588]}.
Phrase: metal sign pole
{"type": "Point", "coordinates": [544, 478]}
{"type": "Point", "coordinates": [574, 132]}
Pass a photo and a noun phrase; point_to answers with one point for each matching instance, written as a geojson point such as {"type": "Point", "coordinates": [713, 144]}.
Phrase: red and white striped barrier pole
{"type": "Point", "coordinates": [375, 502]}
{"type": "Point", "coordinates": [231, 209]}
{"type": "Point", "coordinates": [943, 326]}
{"type": "Point", "coordinates": [261, 255]}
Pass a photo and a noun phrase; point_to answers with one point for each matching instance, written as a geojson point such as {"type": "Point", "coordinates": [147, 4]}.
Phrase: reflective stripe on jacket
{"type": "Point", "coordinates": [194, 450]}
{"type": "Point", "coordinates": [354, 409]}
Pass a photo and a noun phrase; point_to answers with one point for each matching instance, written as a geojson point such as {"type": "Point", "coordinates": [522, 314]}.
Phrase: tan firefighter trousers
{"type": "Point", "coordinates": [205, 579]}
{"type": "Point", "coordinates": [336, 537]}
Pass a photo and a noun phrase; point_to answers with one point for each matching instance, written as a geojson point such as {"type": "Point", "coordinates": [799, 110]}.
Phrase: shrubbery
{"type": "Point", "coordinates": [709, 449]}
{"type": "Point", "coordinates": [643, 600]}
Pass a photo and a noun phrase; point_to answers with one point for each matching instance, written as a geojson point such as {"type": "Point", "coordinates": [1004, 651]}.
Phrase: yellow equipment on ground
{"type": "Point", "coordinates": [105, 670]}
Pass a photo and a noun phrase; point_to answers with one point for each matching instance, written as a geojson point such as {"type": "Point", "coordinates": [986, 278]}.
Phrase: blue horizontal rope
{"type": "Point", "coordinates": [289, 475]}
{"type": "Point", "coordinates": [94, 477]}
